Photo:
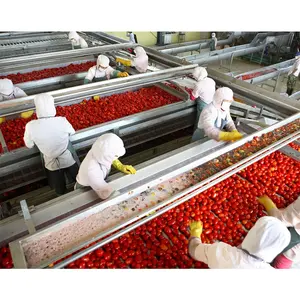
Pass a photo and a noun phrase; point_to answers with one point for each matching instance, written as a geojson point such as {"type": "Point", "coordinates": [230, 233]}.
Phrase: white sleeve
{"type": "Point", "coordinates": [91, 74]}
{"type": "Point", "coordinates": [196, 91]}
{"type": "Point", "coordinates": [290, 216]}
{"type": "Point", "coordinates": [29, 143]}
{"type": "Point", "coordinates": [208, 122]}
{"type": "Point", "coordinates": [202, 252]}
{"type": "Point", "coordinates": [230, 125]}
{"type": "Point", "coordinates": [98, 184]}
{"type": "Point", "coordinates": [19, 93]}
{"type": "Point", "coordinates": [293, 254]}
{"type": "Point", "coordinates": [69, 128]}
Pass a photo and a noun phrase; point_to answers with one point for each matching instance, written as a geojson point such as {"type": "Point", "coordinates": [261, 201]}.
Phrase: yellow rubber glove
{"type": "Point", "coordinates": [230, 136]}
{"type": "Point", "coordinates": [267, 203]}
{"type": "Point", "coordinates": [27, 114]}
{"type": "Point", "coordinates": [196, 229]}
{"type": "Point", "coordinates": [122, 74]}
{"type": "Point", "coordinates": [96, 98]}
{"type": "Point", "coordinates": [2, 120]}
{"type": "Point", "coordinates": [124, 61]}
{"type": "Point", "coordinates": [127, 169]}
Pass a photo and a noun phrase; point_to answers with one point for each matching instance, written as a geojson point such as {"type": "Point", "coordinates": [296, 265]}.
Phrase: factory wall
{"type": "Point", "coordinates": [148, 38]}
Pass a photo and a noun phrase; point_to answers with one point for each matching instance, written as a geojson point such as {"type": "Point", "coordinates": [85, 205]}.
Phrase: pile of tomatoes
{"type": "Point", "coordinates": [91, 112]}
{"type": "Point", "coordinates": [228, 210]}
{"type": "Point", "coordinates": [47, 73]}
{"type": "Point", "coordinates": [5, 258]}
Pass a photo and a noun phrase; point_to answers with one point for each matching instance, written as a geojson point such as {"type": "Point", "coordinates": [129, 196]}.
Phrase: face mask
{"type": "Point", "coordinates": [225, 106]}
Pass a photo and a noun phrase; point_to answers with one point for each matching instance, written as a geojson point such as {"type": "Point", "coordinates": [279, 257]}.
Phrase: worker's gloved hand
{"type": "Point", "coordinates": [124, 61]}
{"type": "Point", "coordinates": [230, 136]}
{"type": "Point", "coordinates": [96, 98]}
{"type": "Point", "coordinates": [127, 169]}
{"type": "Point", "coordinates": [27, 114]}
{"type": "Point", "coordinates": [196, 229]}
{"type": "Point", "coordinates": [2, 120]}
{"type": "Point", "coordinates": [122, 74]}
{"type": "Point", "coordinates": [267, 203]}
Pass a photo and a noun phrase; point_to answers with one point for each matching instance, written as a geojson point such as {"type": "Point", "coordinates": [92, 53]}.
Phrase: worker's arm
{"type": "Point", "coordinates": [125, 62]}
{"type": "Point", "coordinates": [207, 118]}
{"type": "Point", "coordinates": [69, 128]}
{"type": "Point", "coordinates": [293, 254]}
{"type": "Point", "coordinates": [117, 74]}
{"type": "Point", "coordinates": [90, 75]}
{"type": "Point", "coordinates": [29, 143]}
{"type": "Point", "coordinates": [290, 216]}
{"type": "Point", "coordinates": [98, 184]}
{"type": "Point", "coordinates": [19, 93]}
{"type": "Point", "coordinates": [199, 251]}
{"type": "Point", "coordinates": [127, 169]}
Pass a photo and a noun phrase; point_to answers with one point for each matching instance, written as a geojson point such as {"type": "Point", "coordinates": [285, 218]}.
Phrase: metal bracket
{"type": "Point", "coordinates": [27, 217]}
{"type": "Point", "coordinates": [261, 112]}
{"type": "Point", "coordinates": [3, 143]}
{"type": "Point", "coordinates": [292, 153]}
{"type": "Point", "coordinates": [117, 131]}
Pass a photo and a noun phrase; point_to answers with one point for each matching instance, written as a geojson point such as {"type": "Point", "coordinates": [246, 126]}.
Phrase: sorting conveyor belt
{"type": "Point", "coordinates": [61, 234]}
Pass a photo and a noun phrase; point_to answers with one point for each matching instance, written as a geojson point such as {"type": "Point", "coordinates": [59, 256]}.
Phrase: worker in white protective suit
{"type": "Point", "coordinates": [102, 71]}
{"type": "Point", "coordinates": [290, 216]}
{"type": "Point", "coordinates": [77, 41]}
{"type": "Point", "coordinates": [293, 75]}
{"type": "Point", "coordinates": [203, 91]}
{"type": "Point", "coordinates": [213, 42]}
{"type": "Point", "coordinates": [215, 117]}
{"type": "Point", "coordinates": [51, 136]}
{"type": "Point", "coordinates": [8, 92]}
{"type": "Point", "coordinates": [132, 37]}
{"type": "Point", "coordinates": [140, 61]}
{"type": "Point", "coordinates": [97, 164]}
{"type": "Point", "coordinates": [264, 241]}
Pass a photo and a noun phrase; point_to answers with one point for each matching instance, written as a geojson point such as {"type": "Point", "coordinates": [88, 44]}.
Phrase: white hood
{"type": "Point", "coordinates": [267, 238]}
{"type": "Point", "coordinates": [107, 148]}
{"type": "Point", "coordinates": [6, 86]}
{"type": "Point", "coordinates": [74, 35]}
{"type": "Point", "coordinates": [221, 94]}
{"type": "Point", "coordinates": [199, 73]}
{"type": "Point", "coordinates": [141, 59]}
{"type": "Point", "coordinates": [44, 105]}
{"type": "Point", "coordinates": [102, 61]}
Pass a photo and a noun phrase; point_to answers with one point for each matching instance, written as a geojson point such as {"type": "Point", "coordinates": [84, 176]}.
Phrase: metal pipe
{"type": "Point", "coordinates": [14, 106]}
{"type": "Point", "coordinates": [194, 46]}
{"type": "Point", "coordinates": [206, 59]}
{"type": "Point", "coordinates": [63, 54]}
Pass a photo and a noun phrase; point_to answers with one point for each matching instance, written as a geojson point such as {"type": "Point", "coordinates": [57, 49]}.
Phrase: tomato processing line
{"type": "Point", "coordinates": [71, 234]}
{"type": "Point", "coordinates": [81, 212]}
{"type": "Point", "coordinates": [21, 44]}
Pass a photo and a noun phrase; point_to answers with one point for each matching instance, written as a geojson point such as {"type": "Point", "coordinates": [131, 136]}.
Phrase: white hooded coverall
{"type": "Point", "coordinates": [97, 164]}
{"type": "Point", "coordinates": [140, 62]}
{"type": "Point", "coordinates": [77, 41]}
{"type": "Point", "coordinates": [266, 239]}
{"type": "Point", "coordinates": [101, 71]}
{"type": "Point", "coordinates": [290, 216]}
{"type": "Point", "coordinates": [8, 91]}
{"type": "Point", "coordinates": [50, 134]}
{"type": "Point", "coordinates": [213, 118]}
